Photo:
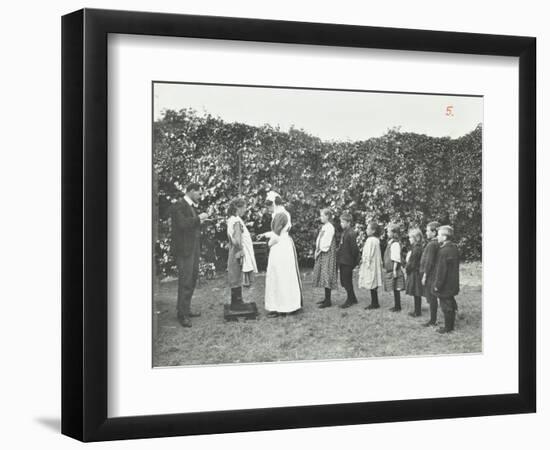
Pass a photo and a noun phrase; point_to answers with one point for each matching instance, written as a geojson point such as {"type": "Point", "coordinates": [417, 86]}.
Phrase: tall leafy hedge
{"type": "Point", "coordinates": [405, 177]}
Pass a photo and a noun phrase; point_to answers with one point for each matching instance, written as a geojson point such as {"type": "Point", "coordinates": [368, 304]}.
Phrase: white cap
{"type": "Point", "coordinates": [271, 196]}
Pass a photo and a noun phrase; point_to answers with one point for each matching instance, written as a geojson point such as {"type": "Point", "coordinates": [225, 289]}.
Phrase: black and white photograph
{"type": "Point", "coordinates": [275, 225]}
{"type": "Point", "coordinates": [300, 224]}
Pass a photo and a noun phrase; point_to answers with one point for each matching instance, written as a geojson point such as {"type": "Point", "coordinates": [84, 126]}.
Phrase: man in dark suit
{"type": "Point", "coordinates": [186, 233]}
{"type": "Point", "coordinates": [446, 283]}
{"type": "Point", "coordinates": [347, 258]}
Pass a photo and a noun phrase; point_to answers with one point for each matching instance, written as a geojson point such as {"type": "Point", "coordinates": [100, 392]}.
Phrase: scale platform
{"type": "Point", "coordinates": [247, 311]}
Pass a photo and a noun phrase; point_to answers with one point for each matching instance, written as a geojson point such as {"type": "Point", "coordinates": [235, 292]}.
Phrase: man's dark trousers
{"type": "Point", "coordinates": [188, 273]}
{"type": "Point", "coordinates": [186, 245]}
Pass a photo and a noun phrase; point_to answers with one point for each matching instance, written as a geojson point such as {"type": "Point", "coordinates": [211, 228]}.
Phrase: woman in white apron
{"type": "Point", "coordinates": [283, 286]}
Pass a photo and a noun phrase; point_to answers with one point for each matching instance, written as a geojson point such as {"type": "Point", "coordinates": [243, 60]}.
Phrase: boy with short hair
{"type": "Point", "coordinates": [446, 283]}
{"type": "Point", "coordinates": [347, 258]}
{"type": "Point", "coordinates": [427, 270]}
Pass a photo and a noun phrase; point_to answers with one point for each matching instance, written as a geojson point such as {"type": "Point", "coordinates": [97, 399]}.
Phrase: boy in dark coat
{"type": "Point", "coordinates": [446, 283]}
{"type": "Point", "coordinates": [413, 285]}
{"type": "Point", "coordinates": [347, 258]}
{"type": "Point", "coordinates": [427, 270]}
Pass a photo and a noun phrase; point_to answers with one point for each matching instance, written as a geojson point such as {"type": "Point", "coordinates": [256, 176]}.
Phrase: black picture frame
{"type": "Point", "coordinates": [84, 224]}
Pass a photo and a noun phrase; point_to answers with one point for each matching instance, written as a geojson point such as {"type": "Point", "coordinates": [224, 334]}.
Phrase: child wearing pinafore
{"type": "Point", "coordinates": [370, 272]}
{"type": "Point", "coordinates": [241, 262]}
{"type": "Point", "coordinates": [325, 271]}
{"type": "Point", "coordinates": [394, 280]}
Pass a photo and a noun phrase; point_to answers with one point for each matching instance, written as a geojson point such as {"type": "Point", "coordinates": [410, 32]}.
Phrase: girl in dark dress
{"type": "Point", "coordinates": [412, 269]}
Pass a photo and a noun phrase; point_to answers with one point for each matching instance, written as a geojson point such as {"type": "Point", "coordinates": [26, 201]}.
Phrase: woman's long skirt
{"type": "Point", "coordinates": [283, 283]}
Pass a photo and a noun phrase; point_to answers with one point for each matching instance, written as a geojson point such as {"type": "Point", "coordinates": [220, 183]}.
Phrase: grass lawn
{"type": "Point", "coordinates": [330, 333]}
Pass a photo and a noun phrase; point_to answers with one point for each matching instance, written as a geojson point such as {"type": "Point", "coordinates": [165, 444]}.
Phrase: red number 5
{"type": "Point", "coordinates": [449, 111]}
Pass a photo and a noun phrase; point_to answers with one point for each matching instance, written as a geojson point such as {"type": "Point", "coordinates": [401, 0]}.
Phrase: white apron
{"type": "Point", "coordinates": [249, 259]}
{"type": "Point", "coordinates": [370, 272]}
{"type": "Point", "coordinates": [283, 290]}
{"type": "Point", "coordinates": [283, 283]}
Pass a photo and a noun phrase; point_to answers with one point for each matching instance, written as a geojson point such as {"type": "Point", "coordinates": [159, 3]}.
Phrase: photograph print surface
{"type": "Point", "coordinates": [297, 224]}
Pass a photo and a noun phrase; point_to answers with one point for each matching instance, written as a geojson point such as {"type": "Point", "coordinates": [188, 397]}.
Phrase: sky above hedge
{"type": "Point", "coordinates": [329, 115]}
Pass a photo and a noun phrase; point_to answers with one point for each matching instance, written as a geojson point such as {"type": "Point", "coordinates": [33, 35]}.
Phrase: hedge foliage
{"type": "Point", "coordinates": [405, 177]}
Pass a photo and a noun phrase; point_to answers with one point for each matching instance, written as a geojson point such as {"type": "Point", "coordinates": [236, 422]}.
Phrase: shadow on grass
{"type": "Point", "coordinates": [315, 334]}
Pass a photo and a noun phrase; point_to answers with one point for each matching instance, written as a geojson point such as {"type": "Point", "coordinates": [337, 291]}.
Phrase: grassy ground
{"type": "Point", "coordinates": [331, 333]}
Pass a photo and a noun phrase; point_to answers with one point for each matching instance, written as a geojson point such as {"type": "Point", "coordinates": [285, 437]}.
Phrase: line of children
{"type": "Point", "coordinates": [432, 271]}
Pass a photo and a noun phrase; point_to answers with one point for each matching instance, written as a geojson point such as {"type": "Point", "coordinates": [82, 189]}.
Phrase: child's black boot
{"type": "Point", "coordinates": [327, 301]}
